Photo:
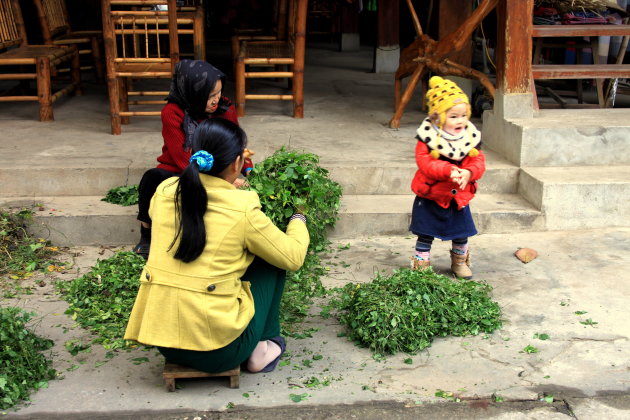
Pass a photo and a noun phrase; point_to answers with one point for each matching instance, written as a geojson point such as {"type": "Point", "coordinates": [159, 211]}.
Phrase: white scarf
{"type": "Point", "coordinates": [448, 145]}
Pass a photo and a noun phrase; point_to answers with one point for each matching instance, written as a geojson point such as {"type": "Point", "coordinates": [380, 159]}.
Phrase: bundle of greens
{"type": "Point", "coordinates": [405, 311]}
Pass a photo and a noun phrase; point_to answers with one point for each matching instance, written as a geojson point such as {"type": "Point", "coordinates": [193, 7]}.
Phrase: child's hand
{"type": "Point", "coordinates": [455, 174]}
{"type": "Point", "coordinates": [463, 178]}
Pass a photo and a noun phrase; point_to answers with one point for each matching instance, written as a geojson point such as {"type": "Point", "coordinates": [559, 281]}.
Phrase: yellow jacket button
{"type": "Point", "coordinates": [148, 276]}
{"type": "Point", "coordinates": [211, 288]}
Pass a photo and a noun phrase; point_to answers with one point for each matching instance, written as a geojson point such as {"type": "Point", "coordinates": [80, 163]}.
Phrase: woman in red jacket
{"type": "Point", "coordinates": [195, 95]}
{"type": "Point", "coordinates": [449, 164]}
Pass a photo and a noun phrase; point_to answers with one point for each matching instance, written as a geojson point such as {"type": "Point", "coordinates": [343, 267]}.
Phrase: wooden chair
{"type": "Point", "coordinates": [44, 60]}
{"type": "Point", "coordinates": [289, 52]}
{"type": "Point", "coordinates": [56, 30]}
{"type": "Point", "coordinates": [139, 44]}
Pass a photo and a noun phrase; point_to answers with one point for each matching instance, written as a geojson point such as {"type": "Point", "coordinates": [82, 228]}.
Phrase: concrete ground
{"type": "Point", "coordinates": [582, 369]}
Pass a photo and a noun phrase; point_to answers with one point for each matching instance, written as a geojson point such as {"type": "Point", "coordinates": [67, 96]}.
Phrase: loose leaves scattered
{"type": "Point", "coordinates": [126, 195]}
{"type": "Point", "coordinates": [101, 300]}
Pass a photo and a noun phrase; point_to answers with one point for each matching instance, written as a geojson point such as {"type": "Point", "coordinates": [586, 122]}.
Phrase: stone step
{"type": "Point", "coordinates": [562, 137]}
{"type": "Point", "coordinates": [79, 177]}
{"type": "Point", "coordinates": [574, 198]}
{"type": "Point", "coordinates": [86, 220]}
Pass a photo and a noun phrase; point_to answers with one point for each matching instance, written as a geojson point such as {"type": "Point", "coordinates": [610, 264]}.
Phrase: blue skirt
{"type": "Point", "coordinates": [428, 218]}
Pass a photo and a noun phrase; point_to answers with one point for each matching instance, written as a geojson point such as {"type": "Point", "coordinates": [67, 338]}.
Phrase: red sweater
{"type": "Point", "coordinates": [174, 158]}
{"type": "Point", "coordinates": [432, 179]}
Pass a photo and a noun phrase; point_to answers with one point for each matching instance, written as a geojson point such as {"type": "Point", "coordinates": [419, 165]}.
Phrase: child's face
{"type": "Point", "coordinates": [213, 98]}
{"type": "Point", "coordinates": [456, 119]}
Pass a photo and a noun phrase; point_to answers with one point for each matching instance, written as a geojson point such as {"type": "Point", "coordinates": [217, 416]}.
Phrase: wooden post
{"type": "Point", "coordinates": [350, 40]}
{"type": "Point", "coordinates": [298, 64]}
{"type": "Point", "coordinates": [112, 83]}
{"type": "Point", "coordinates": [172, 34]}
{"type": "Point", "coordinates": [44, 94]}
{"type": "Point", "coordinates": [75, 72]}
{"type": "Point", "coordinates": [452, 14]}
{"type": "Point", "coordinates": [199, 38]}
{"type": "Point", "coordinates": [514, 46]}
{"type": "Point", "coordinates": [96, 57]}
{"type": "Point", "coordinates": [240, 84]}
{"type": "Point", "coordinates": [387, 38]}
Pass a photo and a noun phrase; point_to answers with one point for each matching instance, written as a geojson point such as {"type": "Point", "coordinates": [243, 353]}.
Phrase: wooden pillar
{"type": "Point", "coordinates": [350, 40]}
{"type": "Point", "coordinates": [452, 13]}
{"type": "Point", "coordinates": [387, 39]}
{"type": "Point", "coordinates": [514, 46]}
{"type": "Point", "coordinates": [388, 23]}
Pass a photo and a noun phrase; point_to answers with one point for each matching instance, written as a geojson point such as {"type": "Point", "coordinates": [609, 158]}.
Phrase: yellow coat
{"type": "Point", "coordinates": [203, 305]}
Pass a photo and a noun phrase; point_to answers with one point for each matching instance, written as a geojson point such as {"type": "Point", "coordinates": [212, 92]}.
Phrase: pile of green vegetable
{"type": "Point", "coordinates": [23, 368]}
{"type": "Point", "coordinates": [290, 181]}
{"type": "Point", "coordinates": [405, 311]}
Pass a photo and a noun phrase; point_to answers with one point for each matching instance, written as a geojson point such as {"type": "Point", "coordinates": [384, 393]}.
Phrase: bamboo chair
{"type": "Point", "coordinates": [266, 53]}
{"type": "Point", "coordinates": [45, 59]}
{"type": "Point", "coordinates": [56, 30]}
{"type": "Point", "coordinates": [139, 44]}
{"type": "Point", "coordinates": [278, 33]}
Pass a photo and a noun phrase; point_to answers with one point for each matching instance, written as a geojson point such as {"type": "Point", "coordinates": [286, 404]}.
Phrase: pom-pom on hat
{"type": "Point", "coordinates": [443, 94]}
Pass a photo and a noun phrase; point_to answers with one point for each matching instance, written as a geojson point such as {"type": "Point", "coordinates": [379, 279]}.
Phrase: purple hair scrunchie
{"type": "Point", "coordinates": [204, 160]}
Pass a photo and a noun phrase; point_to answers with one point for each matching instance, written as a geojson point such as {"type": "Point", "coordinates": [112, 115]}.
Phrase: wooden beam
{"type": "Point", "coordinates": [579, 30]}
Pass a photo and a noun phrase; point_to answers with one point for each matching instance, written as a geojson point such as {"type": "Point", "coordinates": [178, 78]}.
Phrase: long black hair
{"type": "Point", "coordinates": [225, 141]}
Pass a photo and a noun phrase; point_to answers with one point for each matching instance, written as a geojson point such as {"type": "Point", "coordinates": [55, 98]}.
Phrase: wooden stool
{"type": "Point", "coordinates": [173, 371]}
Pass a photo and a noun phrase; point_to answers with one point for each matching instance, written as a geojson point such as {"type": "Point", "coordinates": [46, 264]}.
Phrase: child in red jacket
{"type": "Point", "coordinates": [195, 95]}
{"type": "Point", "coordinates": [449, 164]}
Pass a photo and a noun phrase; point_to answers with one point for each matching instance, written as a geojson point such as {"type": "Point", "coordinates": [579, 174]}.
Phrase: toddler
{"type": "Point", "coordinates": [449, 164]}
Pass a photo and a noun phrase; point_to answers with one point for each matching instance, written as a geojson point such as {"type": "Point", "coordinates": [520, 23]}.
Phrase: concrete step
{"type": "Point", "coordinates": [80, 177]}
{"type": "Point", "coordinates": [574, 198]}
{"type": "Point", "coordinates": [362, 215]}
{"type": "Point", "coordinates": [562, 137]}
{"type": "Point", "coordinates": [390, 177]}
{"type": "Point", "coordinates": [86, 220]}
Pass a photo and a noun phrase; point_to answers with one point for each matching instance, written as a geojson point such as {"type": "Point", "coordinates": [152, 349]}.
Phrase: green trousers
{"type": "Point", "coordinates": [267, 285]}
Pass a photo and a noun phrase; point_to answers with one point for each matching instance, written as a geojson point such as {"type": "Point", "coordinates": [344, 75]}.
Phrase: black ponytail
{"type": "Point", "coordinates": [225, 141]}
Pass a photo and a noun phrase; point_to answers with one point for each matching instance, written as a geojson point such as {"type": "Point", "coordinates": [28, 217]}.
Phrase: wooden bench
{"type": "Point", "coordinates": [173, 371]}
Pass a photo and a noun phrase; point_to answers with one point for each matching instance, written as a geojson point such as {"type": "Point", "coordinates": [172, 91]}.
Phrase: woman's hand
{"type": "Point", "coordinates": [240, 183]}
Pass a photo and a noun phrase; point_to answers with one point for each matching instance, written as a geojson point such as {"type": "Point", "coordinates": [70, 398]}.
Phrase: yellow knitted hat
{"type": "Point", "coordinates": [444, 94]}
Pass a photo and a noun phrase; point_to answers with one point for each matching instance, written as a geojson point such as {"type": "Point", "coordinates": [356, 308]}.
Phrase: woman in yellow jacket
{"type": "Point", "coordinates": [210, 292]}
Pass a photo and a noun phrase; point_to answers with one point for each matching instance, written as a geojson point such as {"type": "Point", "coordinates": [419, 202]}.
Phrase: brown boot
{"type": "Point", "coordinates": [419, 265]}
{"type": "Point", "coordinates": [460, 265]}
